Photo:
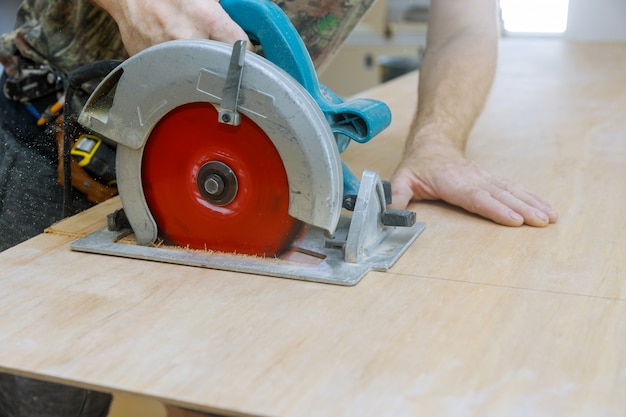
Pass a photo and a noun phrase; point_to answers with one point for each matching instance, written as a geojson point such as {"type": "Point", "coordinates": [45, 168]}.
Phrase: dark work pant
{"type": "Point", "coordinates": [25, 397]}
{"type": "Point", "coordinates": [30, 197]}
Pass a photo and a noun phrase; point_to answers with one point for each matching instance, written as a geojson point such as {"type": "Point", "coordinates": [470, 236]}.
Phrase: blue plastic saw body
{"type": "Point", "coordinates": [267, 25]}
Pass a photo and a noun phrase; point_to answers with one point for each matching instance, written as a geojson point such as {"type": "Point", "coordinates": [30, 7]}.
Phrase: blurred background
{"type": "Point", "coordinates": [391, 38]}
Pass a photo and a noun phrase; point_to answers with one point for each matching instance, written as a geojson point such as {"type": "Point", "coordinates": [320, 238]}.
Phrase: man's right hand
{"type": "Point", "coordinates": [144, 23]}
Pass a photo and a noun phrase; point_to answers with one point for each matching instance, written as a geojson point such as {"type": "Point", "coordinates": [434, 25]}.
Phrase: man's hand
{"type": "Point", "coordinates": [455, 77]}
{"type": "Point", "coordinates": [442, 173]}
{"type": "Point", "coordinates": [144, 23]}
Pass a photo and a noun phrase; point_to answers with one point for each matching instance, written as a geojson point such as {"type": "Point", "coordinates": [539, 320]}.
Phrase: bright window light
{"type": "Point", "coordinates": [534, 16]}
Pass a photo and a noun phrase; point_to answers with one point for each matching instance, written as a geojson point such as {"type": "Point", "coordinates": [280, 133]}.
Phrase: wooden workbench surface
{"type": "Point", "coordinates": [475, 320]}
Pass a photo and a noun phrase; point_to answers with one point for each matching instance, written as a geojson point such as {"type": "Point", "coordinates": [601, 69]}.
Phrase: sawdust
{"type": "Point", "coordinates": [160, 244]}
{"type": "Point", "coordinates": [53, 231]}
{"type": "Point", "coordinates": [294, 255]}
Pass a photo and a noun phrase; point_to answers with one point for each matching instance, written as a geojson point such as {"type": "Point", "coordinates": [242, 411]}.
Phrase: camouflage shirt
{"type": "Point", "coordinates": [324, 24]}
{"type": "Point", "coordinates": [69, 33]}
{"type": "Point", "coordinates": [62, 33]}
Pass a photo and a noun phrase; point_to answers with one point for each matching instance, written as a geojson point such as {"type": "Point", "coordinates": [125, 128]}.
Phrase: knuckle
{"type": "Point", "coordinates": [502, 195]}
{"type": "Point", "coordinates": [478, 200]}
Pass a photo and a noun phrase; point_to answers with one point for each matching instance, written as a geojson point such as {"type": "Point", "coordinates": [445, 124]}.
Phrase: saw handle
{"type": "Point", "coordinates": [267, 25]}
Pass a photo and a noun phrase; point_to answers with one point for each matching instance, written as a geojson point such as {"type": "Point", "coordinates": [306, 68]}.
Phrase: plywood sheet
{"type": "Point", "coordinates": [475, 320]}
{"type": "Point", "coordinates": [554, 123]}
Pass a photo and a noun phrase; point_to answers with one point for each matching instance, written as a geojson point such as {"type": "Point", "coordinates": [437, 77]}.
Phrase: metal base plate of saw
{"type": "Point", "coordinates": [225, 150]}
{"type": "Point", "coordinates": [360, 244]}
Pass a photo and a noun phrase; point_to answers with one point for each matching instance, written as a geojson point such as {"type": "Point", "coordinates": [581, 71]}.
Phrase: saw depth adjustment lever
{"type": "Point", "coordinates": [228, 113]}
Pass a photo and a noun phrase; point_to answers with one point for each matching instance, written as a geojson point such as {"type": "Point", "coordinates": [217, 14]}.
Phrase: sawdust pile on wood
{"type": "Point", "coordinates": [160, 244]}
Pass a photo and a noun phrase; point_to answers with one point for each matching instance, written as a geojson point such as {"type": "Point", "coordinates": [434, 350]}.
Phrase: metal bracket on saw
{"type": "Point", "coordinates": [361, 243]}
{"type": "Point", "coordinates": [228, 113]}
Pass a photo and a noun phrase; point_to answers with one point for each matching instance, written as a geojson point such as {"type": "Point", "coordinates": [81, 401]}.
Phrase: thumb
{"type": "Point", "coordinates": [401, 194]}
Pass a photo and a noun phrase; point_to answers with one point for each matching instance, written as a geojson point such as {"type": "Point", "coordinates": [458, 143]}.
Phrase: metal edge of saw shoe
{"type": "Point", "coordinates": [216, 141]}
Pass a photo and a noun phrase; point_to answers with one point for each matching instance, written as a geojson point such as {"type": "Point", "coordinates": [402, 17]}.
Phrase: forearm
{"type": "Point", "coordinates": [455, 78]}
{"type": "Point", "coordinates": [456, 73]}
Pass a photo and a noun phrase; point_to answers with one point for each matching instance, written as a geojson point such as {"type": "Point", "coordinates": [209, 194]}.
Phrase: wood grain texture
{"type": "Point", "coordinates": [475, 320]}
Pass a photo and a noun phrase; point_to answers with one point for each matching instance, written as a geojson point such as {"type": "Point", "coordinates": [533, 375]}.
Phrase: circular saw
{"type": "Point", "coordinates": [231, 152]}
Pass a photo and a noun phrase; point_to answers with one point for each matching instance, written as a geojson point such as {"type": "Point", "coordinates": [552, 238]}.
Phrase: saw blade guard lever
{"type": "Point", "coordinates": [267, 25]}
{"type": "Point", "coordinates": [359, 119]}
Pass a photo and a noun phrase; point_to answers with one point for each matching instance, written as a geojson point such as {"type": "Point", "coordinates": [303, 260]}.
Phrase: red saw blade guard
{"type": "Point", "coordinates": [215, 186]}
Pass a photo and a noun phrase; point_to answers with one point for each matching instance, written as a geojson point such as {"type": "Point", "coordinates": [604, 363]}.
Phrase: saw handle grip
{"type": "Point", "coordinates": [267, 25]}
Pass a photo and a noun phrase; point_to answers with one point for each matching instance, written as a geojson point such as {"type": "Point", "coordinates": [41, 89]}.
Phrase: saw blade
{"type": "Point", "coordinates": [215, 186]}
